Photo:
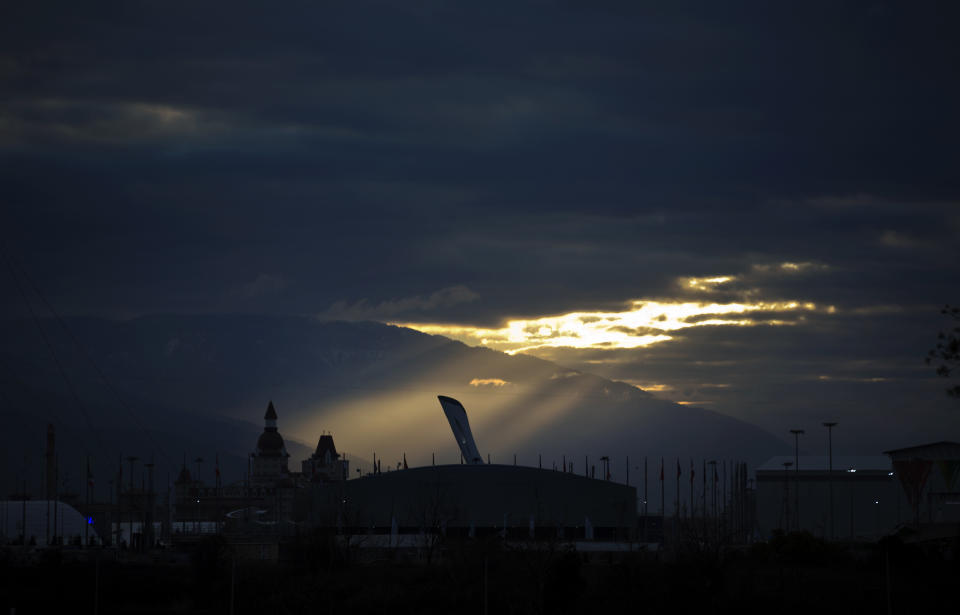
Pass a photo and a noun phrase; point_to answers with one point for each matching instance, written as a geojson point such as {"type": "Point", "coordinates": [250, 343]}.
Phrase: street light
{"type": "Point", "coordinates": [131, 459]}
{"type": "Point", "coordinates": [786, 491]}
{"type": "Point", "coordinates": [198, 461]}
{"type": "Point", "coordinates": [830, 425]}
{"type": "Point", "coordinates": [796, 456]}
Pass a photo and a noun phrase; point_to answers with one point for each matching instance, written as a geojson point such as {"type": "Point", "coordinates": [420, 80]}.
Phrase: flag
{"type": "Point", "coordinates": [405, 466]}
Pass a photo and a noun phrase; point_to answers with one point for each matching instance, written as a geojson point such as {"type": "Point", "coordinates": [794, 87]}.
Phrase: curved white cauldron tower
{"type": "Point", "coordinates": [457, 415]}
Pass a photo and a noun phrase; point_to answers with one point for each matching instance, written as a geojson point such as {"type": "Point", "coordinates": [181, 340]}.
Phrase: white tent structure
{"type": "Point", "coordinates": [38, 521]}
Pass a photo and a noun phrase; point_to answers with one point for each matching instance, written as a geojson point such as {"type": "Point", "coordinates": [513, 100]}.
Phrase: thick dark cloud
{"type": "Point", "coordinates": [541, 157]}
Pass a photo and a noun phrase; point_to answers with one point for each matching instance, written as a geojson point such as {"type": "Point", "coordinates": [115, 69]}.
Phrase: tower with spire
{"type": "Point", "coordinates": [269, 460]}
{"type": "Point", "coordinates": [326, 464]}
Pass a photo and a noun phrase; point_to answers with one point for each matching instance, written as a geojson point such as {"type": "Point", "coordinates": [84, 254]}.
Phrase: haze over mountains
{"type": "Point", "coordinates": [176, 386]}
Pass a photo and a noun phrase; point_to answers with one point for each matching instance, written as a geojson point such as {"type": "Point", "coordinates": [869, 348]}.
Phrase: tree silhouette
{"type": "Point", "coordinates": [946, 354]}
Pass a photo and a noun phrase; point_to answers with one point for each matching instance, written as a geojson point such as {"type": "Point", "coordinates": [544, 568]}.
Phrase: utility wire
{"type": "Point", "coordinates": [96, 368]}
{"type": "Point", "coordinates": [53, 353]}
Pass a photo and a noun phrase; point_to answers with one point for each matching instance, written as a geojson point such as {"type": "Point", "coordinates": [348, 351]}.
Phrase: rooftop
{"type": "Point", "coordinates": [932, 451]}
{"type": "Point", "coordinates": [821, 462]}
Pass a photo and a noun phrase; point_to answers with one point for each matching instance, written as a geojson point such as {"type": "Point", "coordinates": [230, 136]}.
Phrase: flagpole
{"type": "Point", "coordinates": [119, 498]}
{"type": "Point", "coordinates": [704, 497]}
{"type": "Point", "coordinates": [663, 502]}
{"type": "Point", "coordinates": [56, 501]}
{"type": "Point", "coordinates": [676, 513]}
{"type": "Point", "coordinates": [713, 498]}
{"type": "Point", "coordinates": [724, 496]}
{"type": "Point", "coordinates": [645, 498]}
{"type": "Point", "coordinates": [86, 522]}
{"type": "Point", "coordinates": [693, 502]}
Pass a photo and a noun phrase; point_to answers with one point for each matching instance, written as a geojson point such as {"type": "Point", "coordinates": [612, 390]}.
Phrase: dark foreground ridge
{"type": "Point", "coordinates": [795, 573]}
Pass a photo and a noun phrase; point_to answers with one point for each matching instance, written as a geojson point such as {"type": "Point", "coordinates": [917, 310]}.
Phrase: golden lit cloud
{"type": "Point", "coordinates": [706, 284]}
{"type": "Point", "coordinates": [644, 324]}
{"type": "Point", "coordinates": [789, 268]}
{"type": "Point", "coordinates": [826, 377]}
{"type": "Point", "coordinates": [488, 382]}
{"type": "Point", "coordinates": [651, 387]}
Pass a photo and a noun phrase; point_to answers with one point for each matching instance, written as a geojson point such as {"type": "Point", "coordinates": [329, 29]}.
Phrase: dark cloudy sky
{"type": "Point", "coordinates": [427, 163]}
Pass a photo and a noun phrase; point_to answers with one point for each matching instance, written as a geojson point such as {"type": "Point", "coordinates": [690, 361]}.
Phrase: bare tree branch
{"type": "Point", "coordinates": [946, 354]}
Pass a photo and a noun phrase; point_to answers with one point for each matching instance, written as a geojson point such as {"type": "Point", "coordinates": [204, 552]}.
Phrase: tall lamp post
{"type": "Point", "coordinates": [786, 491]}
{"type": "Point", "coordinates": [198, 526]}
{"type": "Point", "coordinates": [830, 425]}
{"type": "Point", "coordinates": [796, 458]}
{"type": "Point", "coordinates": [132, 460]}
{"type": "Point", "coordinates": [147, 531]}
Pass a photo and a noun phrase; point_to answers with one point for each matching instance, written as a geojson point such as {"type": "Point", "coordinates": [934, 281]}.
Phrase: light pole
{"type": "Point", "coordinates": [147, 531]}
{"type": "Point", "coordinates": [786, 491]}
{"type": "Point", "coordinates": [830, 425]}
{"type": "Point", "coordinates": [132, 460]}
{"type": "Point", "coordinates": [796, 457]}
{"type": "Point", "coordinates": [198, 461]}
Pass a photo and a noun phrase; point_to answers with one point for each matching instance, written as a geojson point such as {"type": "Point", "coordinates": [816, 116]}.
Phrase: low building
{"type": "Point", "coordinates": [265, 498]}
{"type": "Point", "coordinates": [929, 475]}
{"type": "Point", "coordinates": [860, 499]}
{"type": "Point", "coordinates": [471, 499]}
{"type": "Point", "coordinates": [326, 464]}
{"type": "Point", "coordinates": [44, 522]}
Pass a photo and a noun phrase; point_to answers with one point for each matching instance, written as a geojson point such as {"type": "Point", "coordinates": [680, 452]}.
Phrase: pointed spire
{"type": "Point", "coordinates": [270, 418]}
{"type": "Point", "coordinates": [271, 414]}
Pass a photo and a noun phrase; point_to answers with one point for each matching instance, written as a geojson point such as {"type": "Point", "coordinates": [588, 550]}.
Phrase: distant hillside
{"type": "Point", "coordinates": [199, 384]}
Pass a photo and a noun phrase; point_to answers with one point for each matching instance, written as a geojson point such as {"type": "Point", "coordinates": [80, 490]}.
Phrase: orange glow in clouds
{"type": "Point", "coordinates": [646, 323]}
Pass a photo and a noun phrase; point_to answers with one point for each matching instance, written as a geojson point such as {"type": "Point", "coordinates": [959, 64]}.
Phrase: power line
{"type": "Point", "coordinates": [76, 342]}
{"type": "Point", "coordinates": [50, 348]}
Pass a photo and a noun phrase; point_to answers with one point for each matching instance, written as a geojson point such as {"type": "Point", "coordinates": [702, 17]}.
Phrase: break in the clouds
{"type": "Point", "coordinates": [555, 175]}
{"type": "Point", "coordinates": [644, 322]}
